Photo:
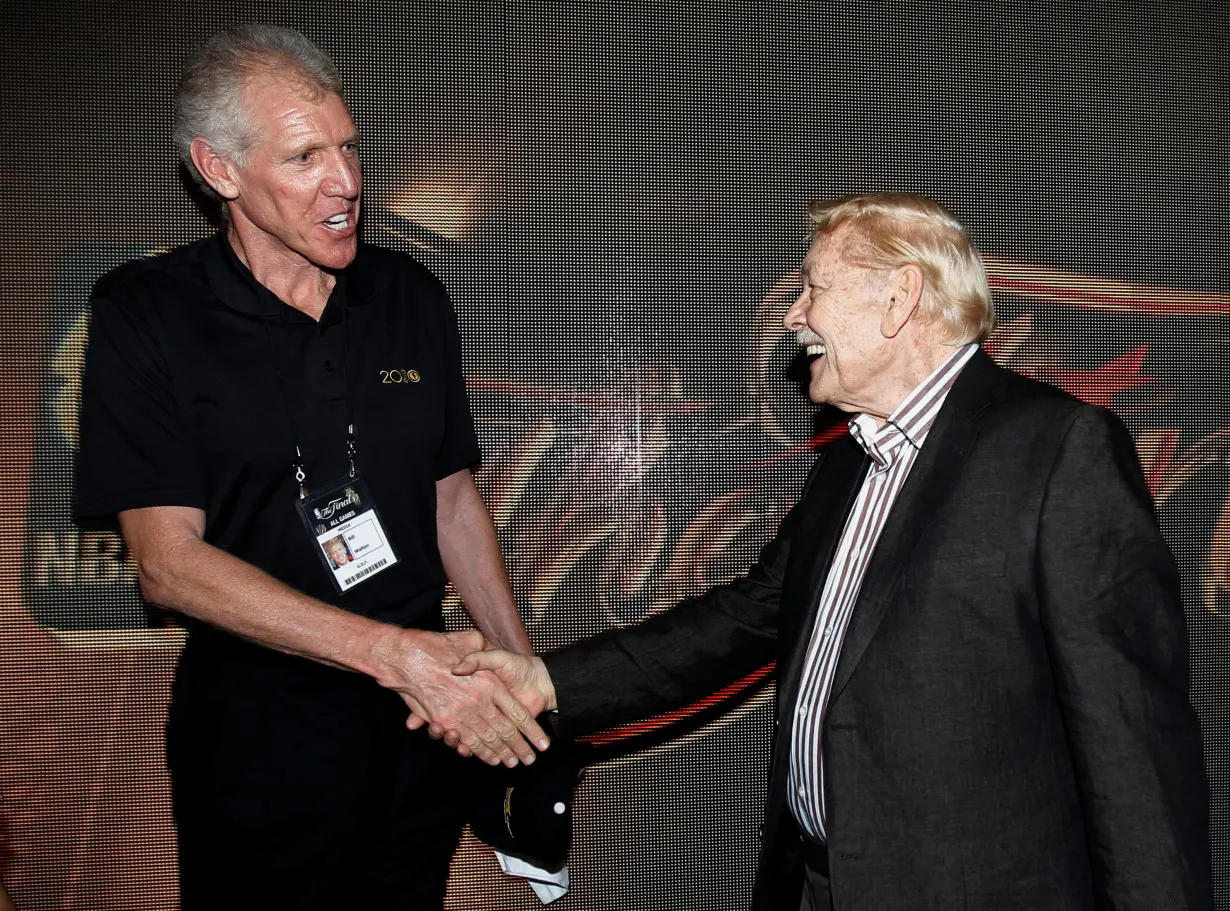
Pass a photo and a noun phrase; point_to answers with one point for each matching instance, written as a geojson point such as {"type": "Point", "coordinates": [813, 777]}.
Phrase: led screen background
{"type": "Point", "coordinates": [615, 197]}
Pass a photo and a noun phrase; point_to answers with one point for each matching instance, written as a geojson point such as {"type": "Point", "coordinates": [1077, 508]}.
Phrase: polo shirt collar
{"type": "Point", "coordinates": [235, 286]}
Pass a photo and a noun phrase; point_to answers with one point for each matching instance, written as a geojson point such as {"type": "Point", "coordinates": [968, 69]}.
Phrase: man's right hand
{"type": "Point", "coordinates": [181, 572]}
{"type": "Point", "coordinates": [485, 718]}
{"type": "Point", "coordinates": [525, 677]}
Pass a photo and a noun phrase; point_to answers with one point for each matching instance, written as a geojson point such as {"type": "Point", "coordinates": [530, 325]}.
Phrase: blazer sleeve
{"type": "Point", "coordinates": [1113, 621]}
{"type": "Point", "coordinates": [682, 655]}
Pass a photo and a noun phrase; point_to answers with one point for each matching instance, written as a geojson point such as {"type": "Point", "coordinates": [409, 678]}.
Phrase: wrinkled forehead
{"type": "Point", "coordinates": [833, 251]}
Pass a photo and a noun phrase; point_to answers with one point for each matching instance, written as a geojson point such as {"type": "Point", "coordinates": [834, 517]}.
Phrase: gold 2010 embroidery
{"type": "Point", "coordinates": [399, 376]}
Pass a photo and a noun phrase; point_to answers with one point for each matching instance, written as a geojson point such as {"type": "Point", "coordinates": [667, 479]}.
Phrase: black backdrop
{"type": "Point", "coordinates": [615, 196]}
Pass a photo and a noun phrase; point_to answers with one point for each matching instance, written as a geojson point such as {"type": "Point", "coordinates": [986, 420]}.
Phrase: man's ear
{"type": "Point", "coordinates": [905, 287]}
{"type": "Point", "coordinates": [217, 169]}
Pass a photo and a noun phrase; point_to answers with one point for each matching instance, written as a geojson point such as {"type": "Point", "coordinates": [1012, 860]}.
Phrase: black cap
{"type": "Point", "coordinates": [526, 811]}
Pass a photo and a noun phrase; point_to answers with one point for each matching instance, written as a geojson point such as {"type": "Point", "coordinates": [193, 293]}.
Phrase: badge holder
{"type": "Point", "coordinates": [346, 532]}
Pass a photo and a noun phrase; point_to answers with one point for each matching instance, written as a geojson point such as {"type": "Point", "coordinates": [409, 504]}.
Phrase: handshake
{"type": "Point", "coordinates": [480, 700]}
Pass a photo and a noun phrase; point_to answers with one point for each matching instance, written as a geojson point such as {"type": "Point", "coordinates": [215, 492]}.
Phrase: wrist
{"type": "Point", "coordinates": [546, 685]}
{"type": "Point", "coordinates": [390, 653]}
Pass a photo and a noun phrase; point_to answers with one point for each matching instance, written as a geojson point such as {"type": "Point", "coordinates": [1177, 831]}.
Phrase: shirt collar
{"type": "Point", "coordinates": [911, 421]}
{"type": "Point", "coordinates": [235, 286]}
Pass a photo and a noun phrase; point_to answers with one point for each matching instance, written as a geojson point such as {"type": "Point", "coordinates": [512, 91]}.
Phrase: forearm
{"type": "Point", "coordinates": [669, 661]}
{"type": "Point", "coordinates": [208, 584]}
{"type": "Point", "coordinates": [470, 551]}
{"type": "Point", "coordinates": [1136, 751]}
{"type": "Point", "coordinates": [203, 582]}
{"type": "Point", "coordinates": [675, 658]}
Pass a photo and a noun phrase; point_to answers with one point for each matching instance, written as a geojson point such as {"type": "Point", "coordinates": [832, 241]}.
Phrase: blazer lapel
{"type": "Point", "coordinates": [815, 542]}
{"type": "Point", "coordinates": [934, 471]}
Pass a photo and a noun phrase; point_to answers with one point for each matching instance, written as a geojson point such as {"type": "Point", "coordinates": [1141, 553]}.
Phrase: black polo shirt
{"type": "Point", "coordinates": [182, 406]}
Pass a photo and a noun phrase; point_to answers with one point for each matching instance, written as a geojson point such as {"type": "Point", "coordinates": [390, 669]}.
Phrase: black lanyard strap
{"type": "Point", "coordinates": [284, 390]}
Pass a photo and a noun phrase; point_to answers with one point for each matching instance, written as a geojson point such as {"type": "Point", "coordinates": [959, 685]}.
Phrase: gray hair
{"type": "Point", "coordinates": [209, 102]}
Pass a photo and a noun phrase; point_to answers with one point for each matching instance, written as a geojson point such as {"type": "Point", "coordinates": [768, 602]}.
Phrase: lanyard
{"type": "Point", "coordinates": [297, 462]}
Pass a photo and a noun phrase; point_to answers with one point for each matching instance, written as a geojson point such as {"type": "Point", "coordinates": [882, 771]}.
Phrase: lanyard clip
{"type": "Point", "coordinates": [300, 477]}
{"type": "Point", "coordinates": [350, 447]}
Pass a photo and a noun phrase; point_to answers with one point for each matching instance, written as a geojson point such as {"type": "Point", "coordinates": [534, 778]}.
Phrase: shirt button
{"type": "Point", "coordinates": [828, 631]}
{"type": "Point", "coordinates": [802, 708]}
{"type": "Point", "coordinates": [802, 791]}
{"type": "Point", "coordinates": [328, 365]}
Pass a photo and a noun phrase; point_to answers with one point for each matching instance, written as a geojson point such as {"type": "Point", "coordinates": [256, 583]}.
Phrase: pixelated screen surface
{"type": "Point", "coordinates": [615, 197]}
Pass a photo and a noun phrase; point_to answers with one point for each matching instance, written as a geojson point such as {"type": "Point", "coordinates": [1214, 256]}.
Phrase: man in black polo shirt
{"type": "Point", "coordinates": [249, 400]}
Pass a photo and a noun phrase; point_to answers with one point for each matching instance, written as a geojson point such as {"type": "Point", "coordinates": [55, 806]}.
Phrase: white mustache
{"type": "Point", "coordinates": [807, 337]}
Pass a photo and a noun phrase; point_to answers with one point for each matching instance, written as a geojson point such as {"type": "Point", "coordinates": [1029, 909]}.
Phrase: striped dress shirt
{"type": "Point", "coordinates": [892, 449]}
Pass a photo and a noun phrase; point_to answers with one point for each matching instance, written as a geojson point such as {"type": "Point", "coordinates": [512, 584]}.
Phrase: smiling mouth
{"type": "Point", "coordinates": [817, 350]}
{"type": "Point", "coordinates": [338, 222]}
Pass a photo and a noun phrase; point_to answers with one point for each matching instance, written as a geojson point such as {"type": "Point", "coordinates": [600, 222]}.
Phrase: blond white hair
{"type": "Point", "coordinates": [891, 230]}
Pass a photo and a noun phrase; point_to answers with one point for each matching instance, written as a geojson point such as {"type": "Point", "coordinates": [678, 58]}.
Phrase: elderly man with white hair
{"type": "Point", "coordinates": [982, 666]}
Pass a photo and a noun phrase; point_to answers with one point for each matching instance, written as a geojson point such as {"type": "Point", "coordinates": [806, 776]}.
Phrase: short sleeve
{"type": "Point", "coordinates": [134, 450]}
{"type": "Point", "coordinates": [459, 447]}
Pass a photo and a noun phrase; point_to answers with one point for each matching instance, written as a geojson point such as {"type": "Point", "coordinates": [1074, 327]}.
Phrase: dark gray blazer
{"type": "Point", "coordinates": [1009, 726]}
